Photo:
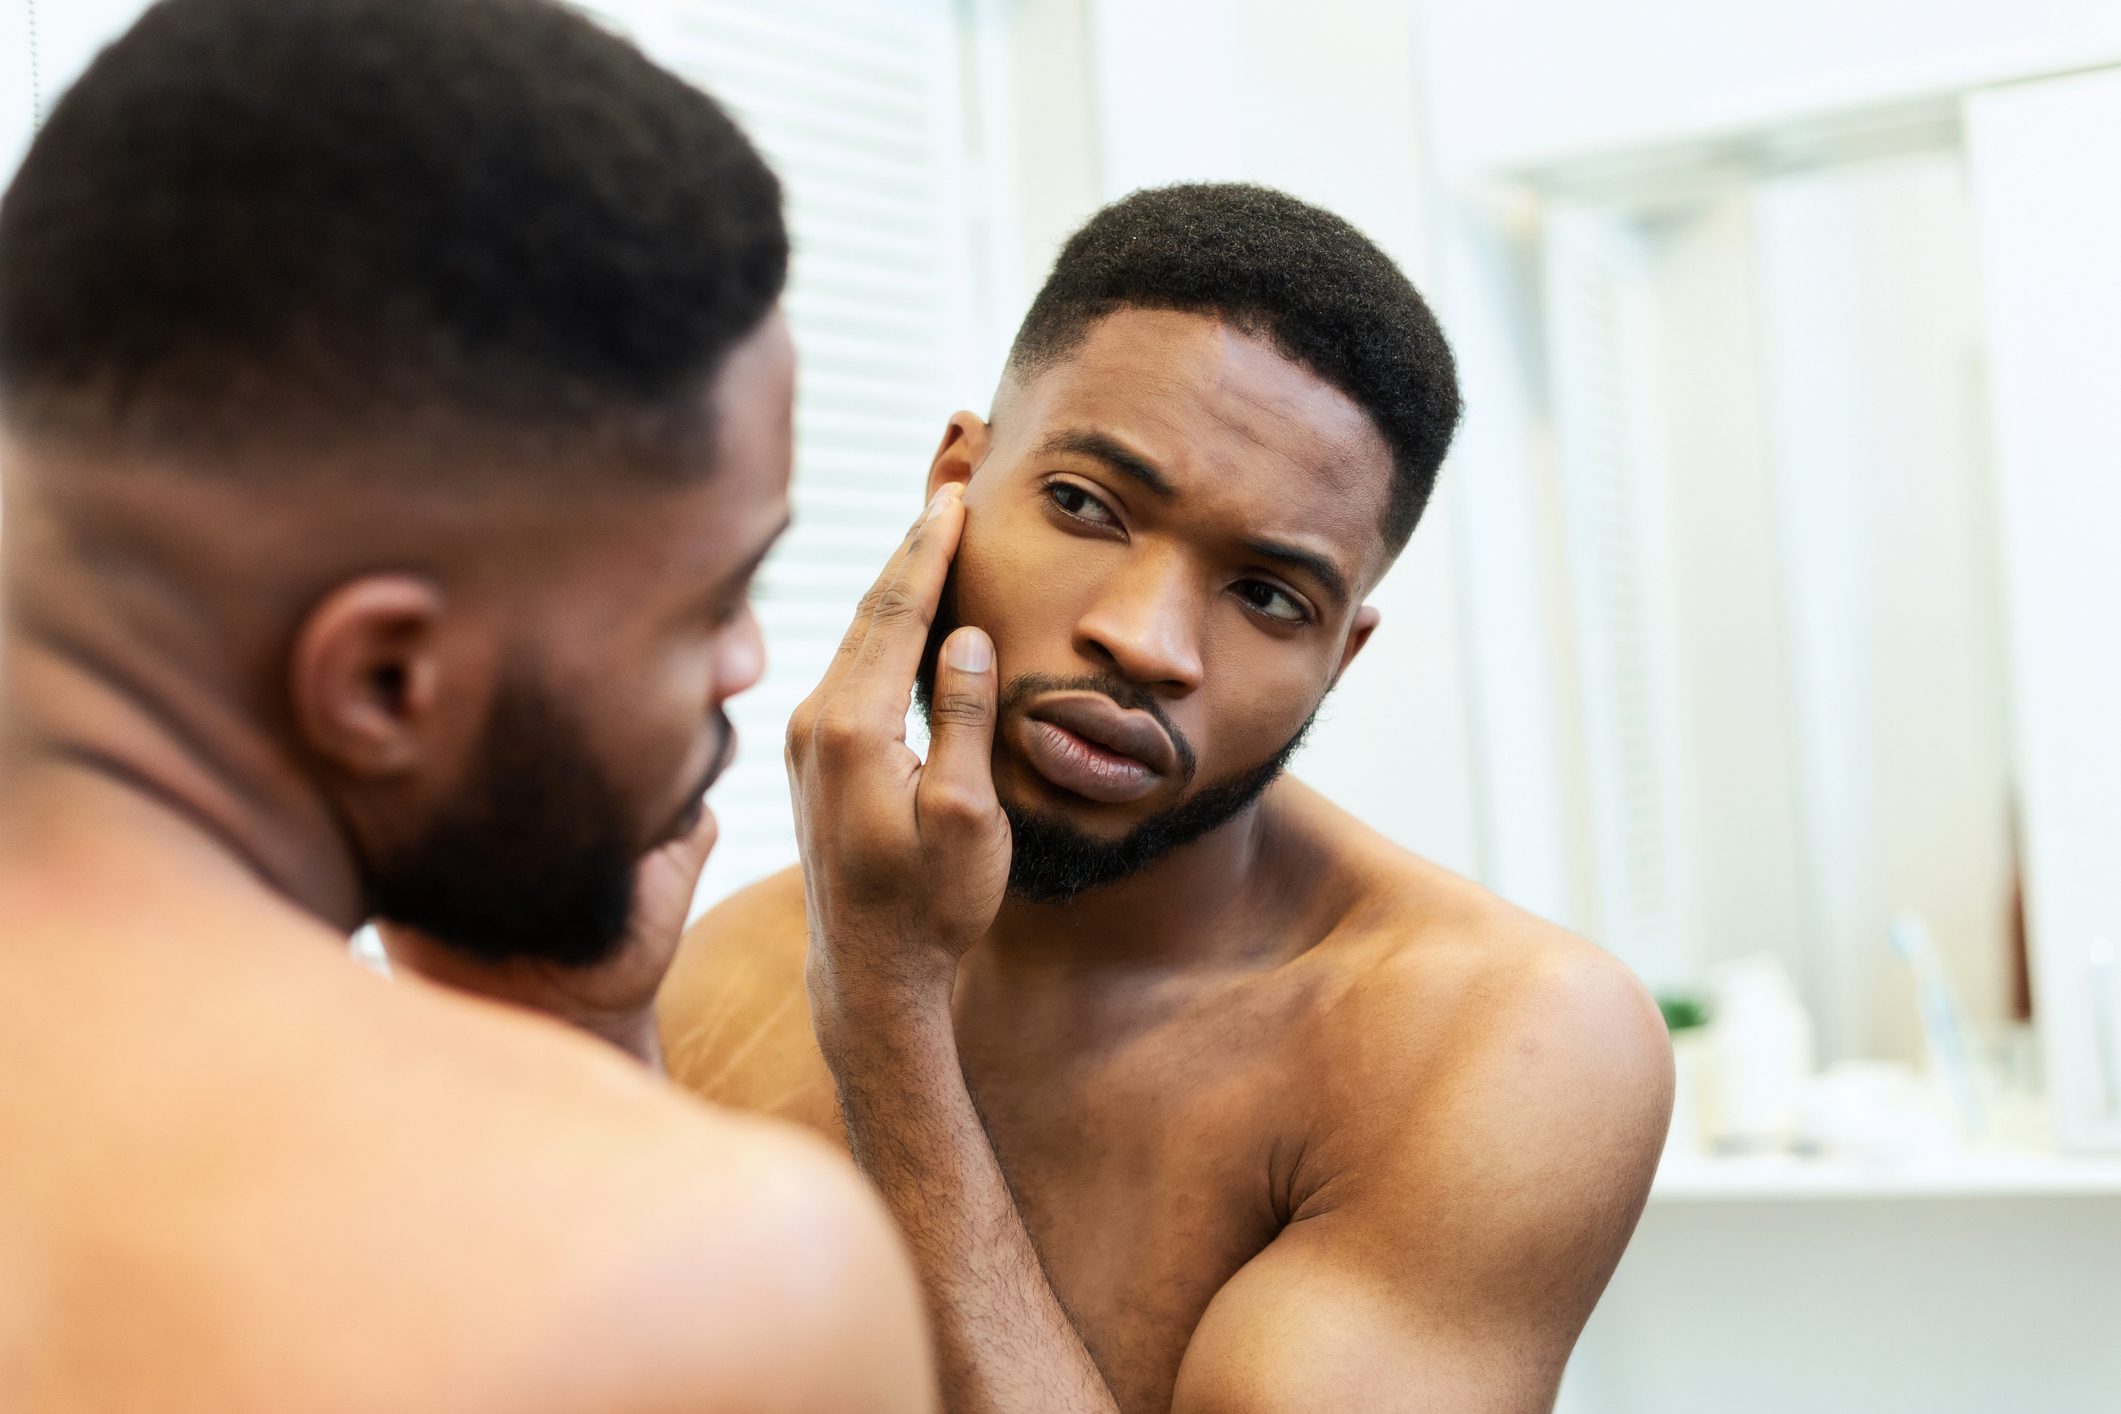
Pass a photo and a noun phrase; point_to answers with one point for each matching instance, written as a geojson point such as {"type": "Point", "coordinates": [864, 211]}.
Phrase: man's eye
{"type": "Point", "coordinates": [730, 610]}
{"type": "Point", "coordinates": [1075, 501]}
{"type": "Point", "coordinates": [1276, 604]}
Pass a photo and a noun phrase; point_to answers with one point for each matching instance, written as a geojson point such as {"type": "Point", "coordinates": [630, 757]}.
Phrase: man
{"type": "Point", "coordinates": [396, 406]}
{"type": "Point", "coordinates": [1189, 1091]}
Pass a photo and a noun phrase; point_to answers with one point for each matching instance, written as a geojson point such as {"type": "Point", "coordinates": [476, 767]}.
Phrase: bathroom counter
{"type": "Point", "coordinates": [1690, 1178]}
{"type": "Point", "coordinates": [1960, 1284]}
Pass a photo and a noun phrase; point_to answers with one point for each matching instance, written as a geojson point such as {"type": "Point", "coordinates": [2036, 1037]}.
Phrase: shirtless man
{"type": "Point", "coordinates": [1189, 1091]}
{"type": "Point", "coordinates": [395, 408]}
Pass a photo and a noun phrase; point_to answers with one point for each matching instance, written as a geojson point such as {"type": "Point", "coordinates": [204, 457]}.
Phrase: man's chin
{"type": "Point", "coordinates": [686, 822]}
{"type": "Point", "coordinates": [695, 810]}
{"type": "Point", "coordinates": [1094, 825]}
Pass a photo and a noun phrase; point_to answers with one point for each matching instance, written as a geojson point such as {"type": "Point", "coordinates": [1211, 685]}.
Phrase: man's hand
{"type": "Point", "coordinates": [614, 1000]}
{"type": "Point", "coordinates": [904, 862]}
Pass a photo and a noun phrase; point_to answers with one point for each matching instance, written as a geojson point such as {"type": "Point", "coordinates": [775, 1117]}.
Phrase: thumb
{"type": "Point", "coordinates": [957, 783]}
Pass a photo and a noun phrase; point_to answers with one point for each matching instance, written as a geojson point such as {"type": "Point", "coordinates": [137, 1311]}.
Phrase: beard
{"type": "Point", "coordinates": [1051, 860]}
{"type": "Point", "coordinates": [534, 856]}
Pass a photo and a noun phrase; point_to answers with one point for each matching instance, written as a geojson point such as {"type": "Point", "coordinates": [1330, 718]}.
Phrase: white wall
{"type": "Point", "coordinates": [1734, 1307]}
{"type": "Point", "coordinates": [1035, 143]}
{"type": "Point", "coordinates": [1320, 100]}
{"type": "Point", "coordinates": [1513, 84]}
{"type": "Point", "coordinates": [1520, 81]}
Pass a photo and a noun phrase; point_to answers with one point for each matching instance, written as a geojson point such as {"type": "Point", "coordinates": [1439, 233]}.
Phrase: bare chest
{"type": "Point", "coordinates": [1149, 1164]}
{"type": "Point", "coordinates": [1147, 1173]}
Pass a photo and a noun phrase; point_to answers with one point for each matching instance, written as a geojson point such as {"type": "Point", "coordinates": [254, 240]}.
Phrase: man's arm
{"type": "Point", "coordinates": [905, 863]}
{"type": "Point", "coordinates": [1457, 1238]}
{"type": "Point", "coordinates": [1004, 1341]}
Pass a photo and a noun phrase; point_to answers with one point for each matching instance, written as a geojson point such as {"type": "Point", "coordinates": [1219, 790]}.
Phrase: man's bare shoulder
{"type": "Point", "coordinates": [762, 927]}
{"type": "Point", "coordinates": [754, 1271]}
{"type": "Point", "coordinates": [523, 1217]}
{"type": "Point", "coordinates": [734, 1012]}
{"type": "Point", "coordinates": [651, 1251]}
{"type": "Point", "coordinates": [744, 1266]}
{"type": "Point", "coordinates": [1484, 1098]}
{"type": "Point", "coordinates": [1444, 991]}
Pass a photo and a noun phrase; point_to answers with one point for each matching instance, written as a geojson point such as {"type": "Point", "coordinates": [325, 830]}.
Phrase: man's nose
{"type": "Point", "coordinates": [739, 657]}
{"type": "Point", "coordinates": [1145, 624]}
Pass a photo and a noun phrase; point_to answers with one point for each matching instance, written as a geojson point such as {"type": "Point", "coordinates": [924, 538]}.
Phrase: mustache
{"type": "Point", "coordinates": [1130, 695]}
{"type": "Point", "coordinates": [695, 799]}
{"type": "Point", "coordinates": [724, 751]}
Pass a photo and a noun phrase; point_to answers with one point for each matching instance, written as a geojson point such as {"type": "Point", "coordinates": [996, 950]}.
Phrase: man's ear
{"type": "Point", "coordinates": [1359, 632]}
{"type": "Point", "coordinates": [964, 447]}
{"type": "Point", "coordinates": [366, 674]}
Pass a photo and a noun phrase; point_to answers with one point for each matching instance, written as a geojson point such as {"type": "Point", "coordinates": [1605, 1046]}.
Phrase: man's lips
{"type": "Point", "coordinates": [1087, 744]}
{"type": "Point", "coordinates": [695, 805]}
{"type": "Point", "coordinates": [723, 758]}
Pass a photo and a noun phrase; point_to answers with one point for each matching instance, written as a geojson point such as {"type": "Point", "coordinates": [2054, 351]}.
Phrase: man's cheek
{"type": "Point", "coordinates": [1248, 735]}
{"type": "Point", "coordinates": [1024, 617]}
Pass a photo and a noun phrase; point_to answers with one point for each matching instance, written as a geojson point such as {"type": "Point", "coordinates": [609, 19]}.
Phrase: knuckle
{"type": "Point", "coordinates": [891, 604]}
{"type": "Point", "coordinates": [961, 709]}
{"type": "Point", "coordinates": [838, 736]}
{"type": "Point", "coordinates": [956, 805]}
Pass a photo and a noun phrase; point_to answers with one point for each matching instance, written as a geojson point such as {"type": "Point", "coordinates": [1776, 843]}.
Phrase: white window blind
{"type": "Point", "coordinates": [860, 107]}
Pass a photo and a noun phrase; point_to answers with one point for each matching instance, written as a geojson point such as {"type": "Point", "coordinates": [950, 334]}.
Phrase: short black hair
{"type": "Point", "coordinates": [251, 218]}
{"type": "Point", "coordinates": [1281, 270]}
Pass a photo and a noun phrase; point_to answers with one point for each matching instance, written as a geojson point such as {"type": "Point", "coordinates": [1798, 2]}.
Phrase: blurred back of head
{"type": "Point", "coordinates": [395, 395]}
{"type": "Point", "coordinates": [260, 224]}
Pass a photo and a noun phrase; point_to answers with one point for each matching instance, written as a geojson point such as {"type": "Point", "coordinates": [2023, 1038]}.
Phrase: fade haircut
{"type": "Point", "coordinates": [261, 222]}
{"type": "Point", "coordinates": [1281, 270]}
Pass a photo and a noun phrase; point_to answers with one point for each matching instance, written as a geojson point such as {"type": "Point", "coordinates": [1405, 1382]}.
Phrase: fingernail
{"type": "Point", "coordinates": [971, 652]}
{"type": "Point", "coordinates": [939, 499]}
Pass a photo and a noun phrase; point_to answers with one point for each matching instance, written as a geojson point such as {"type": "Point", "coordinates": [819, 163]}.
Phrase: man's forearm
{"type": "Point", "coordinates": [1004, 1341]}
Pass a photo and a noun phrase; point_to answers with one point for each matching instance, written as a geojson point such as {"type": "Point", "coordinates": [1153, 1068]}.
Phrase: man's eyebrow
{"type": "Point", "coordinates": [743, 573]}
{"type": "Point", "coordinates": [1086, 443]}
{"type": "Point", "coordinates": [1308, 561]}
{"type": "Point", "coordinates": [1120, 459]}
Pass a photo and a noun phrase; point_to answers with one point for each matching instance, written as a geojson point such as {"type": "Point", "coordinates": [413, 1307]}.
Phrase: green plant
{"type": "Point", "coordinates": [1682, 1012]}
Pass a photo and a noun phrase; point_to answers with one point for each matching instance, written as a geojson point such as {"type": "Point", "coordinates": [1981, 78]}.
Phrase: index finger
{"type": "Point", "coordinates": [882, 649]}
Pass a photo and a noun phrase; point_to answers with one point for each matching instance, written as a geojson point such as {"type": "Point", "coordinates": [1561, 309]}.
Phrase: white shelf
{"type": "Point", "coordinates": [1688, 1178]}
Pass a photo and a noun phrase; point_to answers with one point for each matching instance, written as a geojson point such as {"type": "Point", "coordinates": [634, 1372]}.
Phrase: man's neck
{"type": "Point", "coordinates": [86, 754]}
{"type": "Point", "coordinates": [1223, 900]}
